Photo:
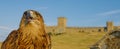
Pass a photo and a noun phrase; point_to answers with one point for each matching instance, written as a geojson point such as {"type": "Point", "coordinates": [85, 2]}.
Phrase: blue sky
{"type": "Point", "coordinates": [78, 12]}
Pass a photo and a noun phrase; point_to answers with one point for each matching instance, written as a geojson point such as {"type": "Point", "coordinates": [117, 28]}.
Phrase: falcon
{"type": "Point", "coordinates": [30, 34]}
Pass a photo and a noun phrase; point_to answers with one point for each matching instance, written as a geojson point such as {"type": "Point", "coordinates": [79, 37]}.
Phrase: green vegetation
{"type": "Point", "coordinates": [75, 40]}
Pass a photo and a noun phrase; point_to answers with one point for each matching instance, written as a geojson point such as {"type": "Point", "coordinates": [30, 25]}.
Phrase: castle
{"type": "Point", "coordinates": [63, 28]}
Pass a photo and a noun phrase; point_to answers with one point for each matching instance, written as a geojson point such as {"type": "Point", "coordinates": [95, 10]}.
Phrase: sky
{"type": "Point", "coordinates": [79, 13]}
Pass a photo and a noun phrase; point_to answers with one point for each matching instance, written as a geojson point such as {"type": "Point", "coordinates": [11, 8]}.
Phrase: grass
{"type": "Point", "coordinates": [0, 44]}
{"type": "Point", "coordinates": [75, 40]}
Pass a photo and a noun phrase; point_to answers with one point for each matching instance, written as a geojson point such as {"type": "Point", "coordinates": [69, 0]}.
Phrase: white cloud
{"type": "Point", "coordinates": [109, 13]}
{"type": "Point", "coordinates": [5, 28]}
{"type": "Point", "coordinates": [4, 31]}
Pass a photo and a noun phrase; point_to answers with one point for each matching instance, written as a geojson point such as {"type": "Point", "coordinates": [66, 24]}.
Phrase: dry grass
{"type": "Point", "coordinates": [0, 45]}
{"type": "Point", "coordinates": [74, 40]}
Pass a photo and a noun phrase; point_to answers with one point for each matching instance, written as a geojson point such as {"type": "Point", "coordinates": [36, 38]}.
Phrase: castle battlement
{"type": "Point", "coordinates": [62, 27]}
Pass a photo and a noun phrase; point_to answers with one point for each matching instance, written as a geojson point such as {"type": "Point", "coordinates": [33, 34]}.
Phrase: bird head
{"type": "Point", "coordinates": [33, 18]}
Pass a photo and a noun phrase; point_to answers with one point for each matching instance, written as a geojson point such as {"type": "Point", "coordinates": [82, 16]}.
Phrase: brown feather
{"type": "Point", "coordinates": [28, 36]}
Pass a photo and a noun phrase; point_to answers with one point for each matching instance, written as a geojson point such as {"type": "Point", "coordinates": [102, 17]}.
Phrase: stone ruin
{"type": "Point", "coordinates": [110, 41]}
{"type": "Point", "coordinates": [62, 27]}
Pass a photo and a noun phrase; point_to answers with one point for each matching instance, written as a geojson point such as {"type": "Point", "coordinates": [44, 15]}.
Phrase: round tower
{"type": "Point", "coordinates": [61, 24]}
{"type": "Point", "coordinates": [110, 25]}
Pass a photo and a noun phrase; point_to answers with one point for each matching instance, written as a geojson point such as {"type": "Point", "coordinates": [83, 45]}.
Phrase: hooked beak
{"type": "Point", "coordinates": [29, 16]}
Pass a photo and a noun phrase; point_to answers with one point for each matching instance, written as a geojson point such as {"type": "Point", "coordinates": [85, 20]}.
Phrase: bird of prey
{"type": "Point", "coordinates": [30, 34]}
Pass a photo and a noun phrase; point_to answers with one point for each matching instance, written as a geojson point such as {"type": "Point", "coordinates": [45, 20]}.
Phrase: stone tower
{"type": "Point", "coordinates": [110, 26]}
{"type": "Point", "coordinates": [61, 24]}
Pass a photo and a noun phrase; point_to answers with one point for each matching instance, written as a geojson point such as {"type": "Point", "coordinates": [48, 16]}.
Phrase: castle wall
{"type": "Point", "coordinates": [51, 29]}
{"type": "Point", "coordinates": [62, 27]}
{"type": "Point", "coordinates": [55, 29]}
{"type": "Point", "coordinates": [61, 24]}
{"type": "Point", "coordinates": [110, 26]}
{"type": "Point", "coordinates": [116, 27]}
{"type": "Point", "coordinates": [85, 29]}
